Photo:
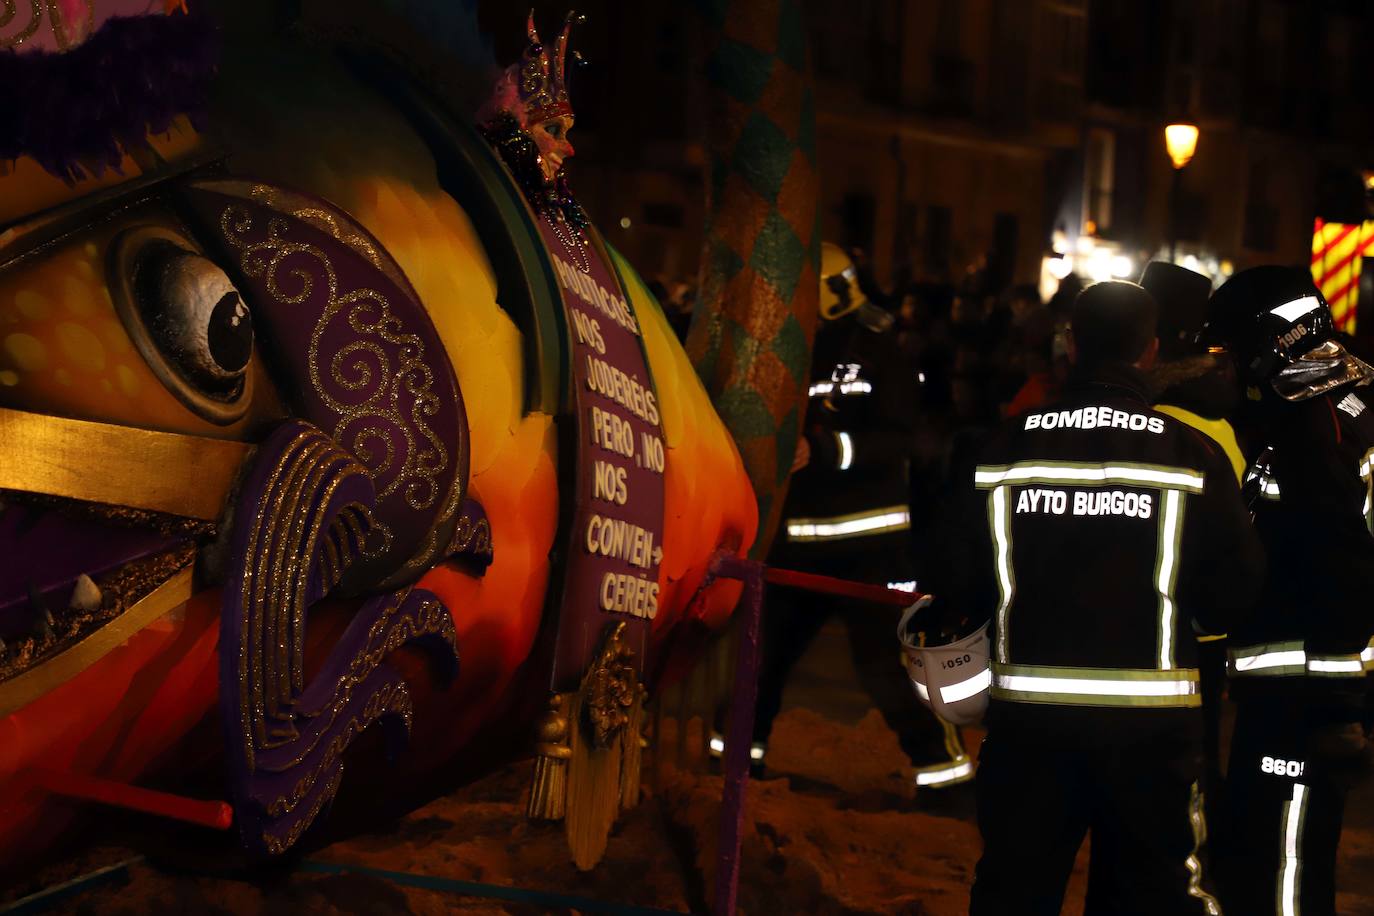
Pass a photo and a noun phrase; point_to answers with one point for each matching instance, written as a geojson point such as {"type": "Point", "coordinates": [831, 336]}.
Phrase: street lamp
{"type": "Point", "coordinates": [1181, 142]}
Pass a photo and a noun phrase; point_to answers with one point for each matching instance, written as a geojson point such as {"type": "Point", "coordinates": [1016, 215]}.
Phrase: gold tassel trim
{"type": "Point", "coordinates": [593, 791]}
{"type": "Point", "coordinates": [549, 788]}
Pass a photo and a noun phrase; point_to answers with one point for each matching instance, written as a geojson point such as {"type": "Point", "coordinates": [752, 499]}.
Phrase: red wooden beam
{"type": "Point", "coordinates": [216, 815]}
{"type": "Point", "coordinates": [829, 585]}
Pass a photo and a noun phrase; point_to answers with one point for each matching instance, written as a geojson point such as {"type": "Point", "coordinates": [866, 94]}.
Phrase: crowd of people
{"type": "Point", "coordinates": [1128, 503]}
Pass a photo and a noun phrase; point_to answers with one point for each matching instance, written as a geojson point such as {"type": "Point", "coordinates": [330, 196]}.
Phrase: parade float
{"type": "Point", "coordinates": [323, 406]}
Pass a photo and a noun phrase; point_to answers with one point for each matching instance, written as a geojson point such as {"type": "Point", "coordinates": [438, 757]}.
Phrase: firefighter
{"type": "Point", "coordinates": [1099, 536]}
{"type": "Point", "coordinates": [1197, 387]}
{"type": "Point", "coordinates": [847, 515]}
{"type": "Point", "coordinates": [1191, 384]}
{"type": "Point", "coordinates": [1298, 665]}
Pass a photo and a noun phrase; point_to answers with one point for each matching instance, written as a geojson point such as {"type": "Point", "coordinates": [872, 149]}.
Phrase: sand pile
{"type": "Point", "coordinates": [834, 829]}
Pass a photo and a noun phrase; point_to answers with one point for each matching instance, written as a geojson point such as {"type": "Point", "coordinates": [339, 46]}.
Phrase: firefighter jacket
{"type": "Point", "coordinates": [851, 499]}
{"type": "Point", "coordinates": [1314, 510]}
{"type": "Point", "coordinates": [1196, 390]}
{"type": "Point", "coordinates": [1100, 537]}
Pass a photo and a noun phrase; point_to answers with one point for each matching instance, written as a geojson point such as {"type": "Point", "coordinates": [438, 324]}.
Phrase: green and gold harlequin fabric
{"type": "Point", "coordinates": [755, 320]}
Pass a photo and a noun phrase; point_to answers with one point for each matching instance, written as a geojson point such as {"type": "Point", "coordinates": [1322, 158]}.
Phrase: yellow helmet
{"type": "Point", "coordinates": [840, 293]}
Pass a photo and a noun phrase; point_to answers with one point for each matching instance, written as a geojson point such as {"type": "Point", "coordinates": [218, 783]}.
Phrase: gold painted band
{"type": "Point", "coordinates": [190, 476]}
{"type": "Point", "coordinates": [19, 691]}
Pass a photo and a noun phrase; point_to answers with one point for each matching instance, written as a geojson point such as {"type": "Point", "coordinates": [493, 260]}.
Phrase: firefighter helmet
{"type": "Point", "coordinates": [1182, 296]}
{"type": "Point", "coordinates": [953, 679]}
{"type": "Point", "coordinates": [1278, 329]}
{"type": "Point", "coordinates": [840, 293]}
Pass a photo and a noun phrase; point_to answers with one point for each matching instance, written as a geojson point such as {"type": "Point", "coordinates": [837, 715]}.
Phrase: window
{"type": "Point", "coordinates": [1061, 32]}
{"type": "Point", "coordinates": [904, 238]}
{"type": "Point", "coordinates": [948, 25]}
{"type": "Point", "coordinates": [939, 227]}
{"type": "Point", "coordinates": [951, 73]}
{"type": "Point", "coordinates": [883, 55]}
{"type": "Point", "coordinates": [1002, 263]}
{"type": "Point", "coordinates": [857, 213]}
{"type": "Point", "coordinates": [1099, 178]}
{"type": "Point", "coordinates": [663, 214]}
{"type": "Point", "coordinates": [1261, 219]}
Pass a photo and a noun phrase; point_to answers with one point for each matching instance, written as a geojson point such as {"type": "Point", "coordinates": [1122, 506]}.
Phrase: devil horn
{"type": "Point", "coordinates": [561, 50]}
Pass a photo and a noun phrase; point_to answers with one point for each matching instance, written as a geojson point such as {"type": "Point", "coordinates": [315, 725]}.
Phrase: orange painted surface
{"type": "Point", "coordinates": [63, 351]}
{"type": "Point", "coordinates": [115, 720]}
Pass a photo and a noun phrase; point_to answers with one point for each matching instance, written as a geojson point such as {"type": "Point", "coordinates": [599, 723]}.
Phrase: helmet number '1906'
{"type": "Point", "coordinates": [1293, 336]}
{"type": "Point", "coordinates": [1280, 767]}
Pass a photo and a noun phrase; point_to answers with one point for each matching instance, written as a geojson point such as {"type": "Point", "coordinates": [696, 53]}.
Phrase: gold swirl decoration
{"type": "Point", "coordinates": [362, 386]}
{"type": "Point", "coordinates": [26, 31]}
{"type": "Point", "coordinates": [64, 32]}
{"type": "Point", "coordinates": [471, 537]}
{"type": "Point", "coordinates": [301, 521]}
{"type": "Point", "coordinates": [349, 339]}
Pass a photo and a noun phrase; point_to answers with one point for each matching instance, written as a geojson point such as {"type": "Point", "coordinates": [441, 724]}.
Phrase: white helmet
{"type": "Point", "coordinates": [953, 679]}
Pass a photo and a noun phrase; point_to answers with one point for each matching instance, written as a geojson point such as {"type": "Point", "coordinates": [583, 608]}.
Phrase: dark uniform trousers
{"type": "Point", "coordinates": [793, 618]}
{"type": "Point", "coordinates": [1286, 816]}
{"type": "Point", "coordinates": [1041, 792]}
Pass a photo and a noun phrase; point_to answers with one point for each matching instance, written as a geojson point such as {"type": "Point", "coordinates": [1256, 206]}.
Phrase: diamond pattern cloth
{"type": "Point", "coordinates": [755, 319]}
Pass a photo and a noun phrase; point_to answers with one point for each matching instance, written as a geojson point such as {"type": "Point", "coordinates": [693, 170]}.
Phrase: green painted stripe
{"type": "Point", "coordinates": [49, 897]}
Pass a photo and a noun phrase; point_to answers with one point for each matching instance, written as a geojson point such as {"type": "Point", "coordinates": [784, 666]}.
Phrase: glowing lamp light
{"type": "Point", "coordinates": [1122, 266]}
{"type": "Point", "coordinates": [1181, 141]}
{"type": "Point", "coordinates": [1059, 268]}
{"type": "Point", "coordinates": [1099, 267]}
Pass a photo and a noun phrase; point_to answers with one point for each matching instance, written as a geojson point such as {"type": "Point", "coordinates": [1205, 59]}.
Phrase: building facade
{"type": "Point", "coordinates": [963, 138]}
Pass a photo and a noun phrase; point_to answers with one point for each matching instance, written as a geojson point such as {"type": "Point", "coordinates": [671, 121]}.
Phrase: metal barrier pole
{"type": "Point", "coordinates": [745, 697]}
{"type": "Point", "coordinates": [741, 729]}
{"type": "Point", "coordinates": [216, 815]}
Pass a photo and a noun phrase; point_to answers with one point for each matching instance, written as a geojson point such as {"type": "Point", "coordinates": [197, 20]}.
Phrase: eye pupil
{"type": "Point", "coordinates": [230, 333]}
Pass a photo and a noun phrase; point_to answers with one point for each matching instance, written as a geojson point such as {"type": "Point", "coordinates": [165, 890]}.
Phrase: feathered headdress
{"type": "Point", "coordinates": [534, 88]}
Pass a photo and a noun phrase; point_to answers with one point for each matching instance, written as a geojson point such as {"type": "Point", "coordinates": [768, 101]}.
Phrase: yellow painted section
{"type": "Point", "coordinates": [64, 350]}
{"type": "Point", "coordinates": [1338, 252]}
{"type": "Point", "coordinates": [26, 188]}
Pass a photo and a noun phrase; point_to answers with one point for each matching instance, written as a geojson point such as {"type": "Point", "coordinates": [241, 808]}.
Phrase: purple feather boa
{"type": "Point", "coordinates": [79, 112]}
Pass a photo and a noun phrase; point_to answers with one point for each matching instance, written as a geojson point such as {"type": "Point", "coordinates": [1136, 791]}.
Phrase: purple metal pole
{"type": "Point", "coordinates": [741, 729]}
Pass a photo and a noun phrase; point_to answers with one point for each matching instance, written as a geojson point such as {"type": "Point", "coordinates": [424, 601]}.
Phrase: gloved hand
{"type": "Point", "coordinates": [1341, 753]}
{"type": "Point", "coordinates": [905, 636]}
